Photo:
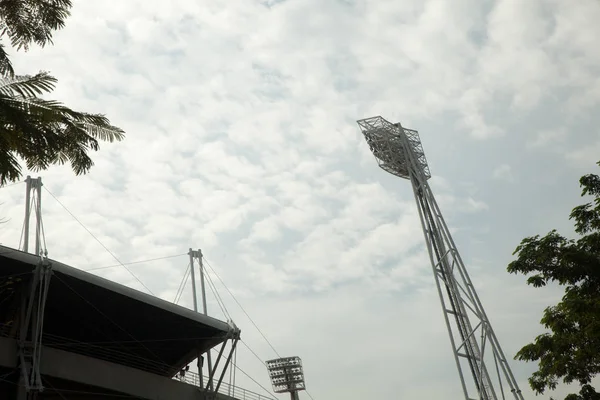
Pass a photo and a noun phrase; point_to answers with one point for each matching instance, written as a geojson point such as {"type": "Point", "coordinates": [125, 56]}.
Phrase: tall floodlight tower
{"type": "Point", "coordinates": [476, 349]}
{"type": "Point", "coordinates": [287, 375]}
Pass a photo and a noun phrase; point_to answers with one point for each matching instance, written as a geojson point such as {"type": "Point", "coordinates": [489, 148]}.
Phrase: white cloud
{"type": "Point", "coordinates": [549, 138]}
{"type": "Point", "coordinates": [585, 157]}
{"type": "Point", "coordinates": [503, 172]}
{"type": "Point", "coordinates": [241, 140]}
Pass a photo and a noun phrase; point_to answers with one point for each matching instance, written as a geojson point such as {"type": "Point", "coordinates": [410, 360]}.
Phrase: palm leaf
{"type": "Point", "coordinates": [6, 68]}
{"type": "Point", "coordinates": [46, 132]}
{"type": "Point", "coordinates": [33, 21]}
{"type": "Point", "coordinates": [27, 85]}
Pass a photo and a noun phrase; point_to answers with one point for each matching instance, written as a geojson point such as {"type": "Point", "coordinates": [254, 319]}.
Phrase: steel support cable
{"type": "Point", "coordinates": [247, 375]}
{"type": "Point", "coordinates": [97, 240]}
{"type": "Point", "coordinates": [43, 234]}
{"type": "Point", "coordinates": [106, 353]}
{"type": "Point", "coordinates": [11, 184]}
{"type": "Point", "coordinates": [53, 389]}
{"type": "Point", "coordinates": [242, 308]}
{"type": "Point", "coordinates": [252, 351]}
{"type": "Point", "coordinates": [218, 295]}
{"type": "Point", "coordinates": [24, 222]}
{"type": "Point", "coordinates": [215, 292]}
{"type": "Point", "coordinates": [108, 318]}
{"type": "Point", "coordinates": [136, 262]}
{"type": "Point", "coordinates": [253, 380]}
{"type": "Point", "coordinates": [109, 342]}
{"type": "Point", "coordinates": [182, 284]}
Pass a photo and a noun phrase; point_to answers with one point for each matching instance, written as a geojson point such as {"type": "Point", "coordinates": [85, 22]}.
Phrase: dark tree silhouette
{"type": "Point", "coordinates": [570, 351]}
{"type": "Point", "coordinates": [38, 131]}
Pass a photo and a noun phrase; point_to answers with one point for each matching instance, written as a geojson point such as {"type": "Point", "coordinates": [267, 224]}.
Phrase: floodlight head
{"type": "Point", "coordinates": [396, 149]}
{"type": "Point", "coordinates": [286, 374]}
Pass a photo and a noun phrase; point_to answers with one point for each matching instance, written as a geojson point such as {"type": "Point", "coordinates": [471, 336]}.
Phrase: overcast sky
{"type": "Point", "coordinates": [241, 140]}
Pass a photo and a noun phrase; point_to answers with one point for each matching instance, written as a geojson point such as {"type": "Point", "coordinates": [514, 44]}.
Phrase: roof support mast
{"type": "Point", "coordinates": [35, 185]}
{"type": "Point", "coordinates": [196, 255]}
{"type": "Point", "coordinates": [474, 344]}
{"type": "Point", "coordinates": [33, 303]}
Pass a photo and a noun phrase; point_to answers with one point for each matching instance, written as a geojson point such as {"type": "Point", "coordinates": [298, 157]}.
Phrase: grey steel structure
{"type": "Point", "coordinates": [287, 375]}
{"type": "Point", "coordinates": [475, 346]}
{"type": "Point", "coordinates": [68, 334]}
{"type": "Point", "coordinates": [64, 331]}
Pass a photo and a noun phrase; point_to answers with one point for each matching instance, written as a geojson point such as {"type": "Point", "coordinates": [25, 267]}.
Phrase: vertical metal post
{"type": "Point", "coordinates": [193, 276]}
{"type": "Point", "coordinates": [27, 213]}
{"type": "Point", "coordinates": [38, 215]}
{"type": "Point", "coordinates": [34, 185]}
{"type": "Point", "coordinates": [204, 308]}
{"type": "Point", "coordinates": [202, 286]}
{"type": "Point", "coordinates": [195, 305]}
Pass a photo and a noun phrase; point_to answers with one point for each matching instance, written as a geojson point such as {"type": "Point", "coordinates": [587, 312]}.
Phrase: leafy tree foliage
{"type": "Point", "coordinates": [41, 132]}
{"type": "Point", "coordinates": [570, 351]}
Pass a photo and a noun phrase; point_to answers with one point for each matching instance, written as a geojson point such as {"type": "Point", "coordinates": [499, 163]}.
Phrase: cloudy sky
{"type": "Point", "coordinates": [241, 140]}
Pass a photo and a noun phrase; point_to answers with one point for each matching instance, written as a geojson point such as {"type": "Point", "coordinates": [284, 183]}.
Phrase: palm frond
{"type": "Point", "coordinates": [27, 85]}
{"type": "Point", "coordinates": [10, 170]}
{"type": "Point", "coordinates": [46, 132]}
{"type": "Point", "coordinates": [6, 68]}
{"type": "Point", "coordinates": [105, 131]}
{"type": "Point", "coordinates": [33, 21]}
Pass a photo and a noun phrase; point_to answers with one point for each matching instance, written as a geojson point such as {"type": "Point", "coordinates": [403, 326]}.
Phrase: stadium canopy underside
{"type": "Point", "coordinates": [95, 317]}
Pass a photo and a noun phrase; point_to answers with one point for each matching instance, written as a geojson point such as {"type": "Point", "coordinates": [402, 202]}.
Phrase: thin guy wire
{"type": "Point", "coordinates": [108, 343]}
{"type": "Point", "coordinates": [24, 222]}
{"type": "Point", "coordinates": [253, 380]}
{"type": "Point", "coordinates": [248, 376]}
{"type": "Point", "coordinates": [22, 234]}
{"type": "Point", "coordinates": [182, 284]}
{"type": "Point", "coordinates": [136, 262]}
{"type": "Point", "coordinates": [214, 291]}
{"type": "Point", "coordinates": [106, 316]}
{"type": "Point", "coordinates": [253, 352]}
{"type": "Point", "coordinates": [238, 303]}
{"type": "Point", "coordinates": [43, 233]}
{"type": "Point", "coordinates": [54, 389]}
{"type": "Point", "coordinates": [217, 295]}
{"type": "Point", "coordinates": [220, 302]}
{"type": "Point", "coordinates": [98, 240]}
{"type": "Point", "coordinates": [12, 184]}
{"type": "Point", "coordinates": [187, 277]}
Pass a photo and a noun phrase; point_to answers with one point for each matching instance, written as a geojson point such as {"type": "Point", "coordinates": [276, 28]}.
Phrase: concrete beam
{"type": "Point", "coordinates": [75, 367]}
{"type": "Point", "coordinates": [103, 374]}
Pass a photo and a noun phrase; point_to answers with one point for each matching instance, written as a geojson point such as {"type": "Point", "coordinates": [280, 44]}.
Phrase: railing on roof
{"type": "Point", "coordinates": [192, 378]}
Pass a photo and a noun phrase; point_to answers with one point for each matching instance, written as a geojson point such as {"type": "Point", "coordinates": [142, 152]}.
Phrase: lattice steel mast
{"type": "Point", "coordinates": [475, 346]}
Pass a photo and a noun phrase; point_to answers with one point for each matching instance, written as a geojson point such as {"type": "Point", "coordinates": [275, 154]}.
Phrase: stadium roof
{"type": "Point", "coordinates": [96, 317]}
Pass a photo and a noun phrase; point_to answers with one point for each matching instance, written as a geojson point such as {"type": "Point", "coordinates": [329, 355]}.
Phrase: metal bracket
{"type": "Point", "coordinates": [234, 335]}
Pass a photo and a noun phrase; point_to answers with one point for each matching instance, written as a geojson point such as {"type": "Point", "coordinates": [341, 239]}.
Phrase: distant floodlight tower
{"type": "Point", "coordinates": [399, 151]}
{"type": "Point", "coordinates": [287, 375]}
